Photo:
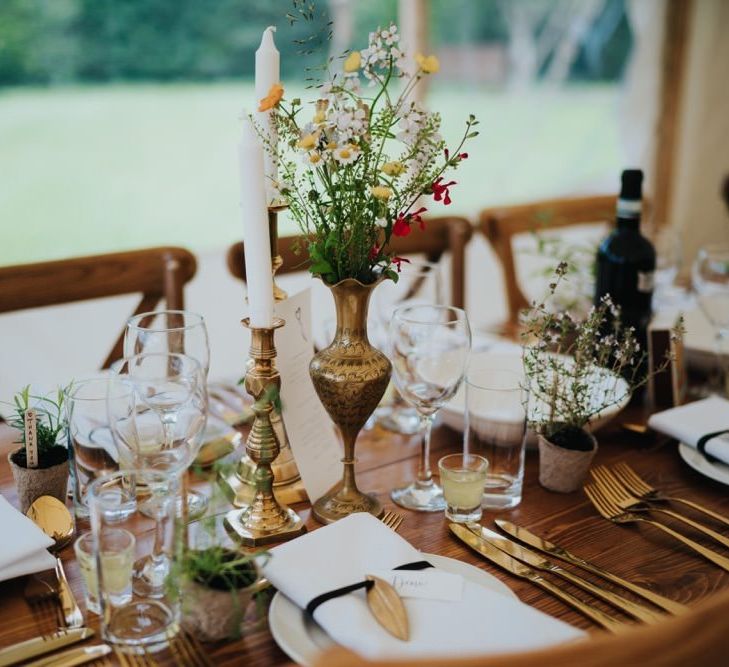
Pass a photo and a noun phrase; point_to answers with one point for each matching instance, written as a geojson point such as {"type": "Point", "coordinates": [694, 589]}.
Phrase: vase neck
{"type": "Point", "coordinates": [351, 300]}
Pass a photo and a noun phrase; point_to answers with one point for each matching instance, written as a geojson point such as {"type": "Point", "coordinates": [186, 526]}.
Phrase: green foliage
{"type": "Point", "coordinates": [50, 423]}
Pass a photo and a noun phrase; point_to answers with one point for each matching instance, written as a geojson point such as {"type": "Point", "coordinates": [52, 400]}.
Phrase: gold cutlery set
{"type": "Point", "coordinates": [621, 496]}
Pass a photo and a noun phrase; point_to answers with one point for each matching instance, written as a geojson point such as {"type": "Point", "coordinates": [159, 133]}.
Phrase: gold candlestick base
{"type": "Point", "coordinates": [265, 520]}
{"type": "Point", "coordinates": [239, 486]}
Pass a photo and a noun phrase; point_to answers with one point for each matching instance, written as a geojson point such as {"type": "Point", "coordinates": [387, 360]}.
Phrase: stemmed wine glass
{"type": "Point", "coordinates": [419, 282]}
{"type": "Point", "coordinates": [429, 347]}
{"type": "Point", "coordinates": [157, 412]}
{"type": "Point", "coordinates": [175, 331]}
{"type": "Point", "coordinates": [710, 277]}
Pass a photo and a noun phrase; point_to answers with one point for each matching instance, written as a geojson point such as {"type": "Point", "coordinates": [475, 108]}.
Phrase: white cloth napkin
{"type": "Point", "coordinates": [23, 549]}
{"type": "Point", "coordinates": [689, 423]}
{"type": "Point", "coordinates": [344, 552]}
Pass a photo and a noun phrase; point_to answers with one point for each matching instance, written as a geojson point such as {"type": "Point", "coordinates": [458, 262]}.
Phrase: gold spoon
{"type": "Point", "coordinates": [54, 519]}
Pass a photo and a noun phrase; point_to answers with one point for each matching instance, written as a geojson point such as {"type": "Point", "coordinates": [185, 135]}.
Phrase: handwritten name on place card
{"type": "Point", "coordinates": [428, 584]}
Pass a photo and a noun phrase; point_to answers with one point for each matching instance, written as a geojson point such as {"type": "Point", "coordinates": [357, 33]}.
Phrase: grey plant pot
{"type": "Point", "coordinates": [563, 470]}
{"type": "Point", "coordinates": [213, 615]}
{"type": "Point", "coordinates": [33, 483]}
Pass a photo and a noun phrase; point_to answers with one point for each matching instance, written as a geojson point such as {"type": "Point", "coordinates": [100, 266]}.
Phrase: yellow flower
{"type": "Point", "coordinates": [321, 111]}
{"type": "Point", "coordinates": [393, 168]}
{"type": "Point", "coordinates": [314, 157]}
{"type": "Point", "coordinates": [275, 95]}
{"type": "Point", "coordinates": [353, 62]}
{"type": "Point", "coordinates": [307, 141]}
{"type": "Point", "coordinates": [429, 64]}
{"type": "Point", "coordinates": [381, 192]}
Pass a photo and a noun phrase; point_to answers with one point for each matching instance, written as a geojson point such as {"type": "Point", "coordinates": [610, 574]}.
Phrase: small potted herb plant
{"type": "Point", "coordinates": [576, 369]}
{"type": "Point", "coordinates": [218, 584]}
{"type": "Point", "coordinates": [49, 475]}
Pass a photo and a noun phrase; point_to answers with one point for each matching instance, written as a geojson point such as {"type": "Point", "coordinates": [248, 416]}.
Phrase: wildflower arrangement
{"type": "Point", "coordinates": [578, 367]}
{"type": "Point", "coordinates": [353, 167]}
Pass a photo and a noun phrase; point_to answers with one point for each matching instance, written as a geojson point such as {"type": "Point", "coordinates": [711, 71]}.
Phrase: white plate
{"type": "Point", "coordinates": [452, 414]}
{"type": "Point", "coordinates": [719, 472]}
{"type": "Point", "coordinates": [303, 640]}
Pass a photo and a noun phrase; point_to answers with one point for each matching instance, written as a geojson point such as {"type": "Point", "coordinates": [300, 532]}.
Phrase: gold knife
{"type": "Point", "coordinates": [541, 563]}
{"type": "Point", "coordinates": [38, 645]}
{"type": "Point", "coordinates": [552, 549]}
{"type": "Point", "coordinates": [517, 568]}
{"type": "Point", "coordinates": [73, 657]}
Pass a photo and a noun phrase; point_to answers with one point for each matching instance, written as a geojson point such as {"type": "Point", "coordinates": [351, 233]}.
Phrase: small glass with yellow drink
{"type": "Point", "coordinates": [463, 477]}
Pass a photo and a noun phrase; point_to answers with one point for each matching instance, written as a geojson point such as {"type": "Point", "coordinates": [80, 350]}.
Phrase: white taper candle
{"type": "Point", "coordinates": [256, 241]}
{"type": "Point", "coordinates": [267, 74]}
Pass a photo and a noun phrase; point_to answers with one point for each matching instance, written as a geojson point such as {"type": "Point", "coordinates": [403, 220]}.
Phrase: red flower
{"type": "Point", "coordinates": [401, 226]}
{"type": "Point", "coordinates": [397, 261]}
{"type": "Point", "coordinates": [463, 156]}
{"type": "Point", "coordinates": [442, 190]}
{"type": "Point", "coordinates": [374, 251]}
{"type": "Point", "coordinates": [416, 217]}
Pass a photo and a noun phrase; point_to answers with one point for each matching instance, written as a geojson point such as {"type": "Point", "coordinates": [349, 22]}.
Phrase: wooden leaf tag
{"type": "Point", "coordinates": [31, 438]}
{"type": "Point", "coordinates": [387, 607]}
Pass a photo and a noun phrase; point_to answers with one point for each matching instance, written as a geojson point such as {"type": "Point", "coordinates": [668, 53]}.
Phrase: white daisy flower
{"type": "Point", "coordinates": [346, 154]}
{"type": "Point", "coordinates": [381, 222]}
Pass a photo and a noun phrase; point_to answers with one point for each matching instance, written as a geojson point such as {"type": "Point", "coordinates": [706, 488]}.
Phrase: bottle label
{"type": "Point", "coordinates": [646, 281]}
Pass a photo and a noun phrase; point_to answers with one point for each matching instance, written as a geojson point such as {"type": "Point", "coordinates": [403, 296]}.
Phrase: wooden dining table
{"type": "Point", "coordinates": [641, 554]}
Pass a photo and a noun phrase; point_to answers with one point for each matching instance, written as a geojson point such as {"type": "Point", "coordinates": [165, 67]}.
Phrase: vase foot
{"type": "Point", "coordinates": [337, 504]}
{"type": "Point", "coordinates": [253, 534]}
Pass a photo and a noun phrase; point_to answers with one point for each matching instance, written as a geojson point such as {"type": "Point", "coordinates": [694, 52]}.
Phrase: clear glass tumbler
{"type": "Point", "coordinates": [463, 477]}
{"type": "Point", "coordinates": [90, 440]}
{"type": "Point", "coordinates": [496, 428]}
{"type": "Point", "coordinates": [147, 619]}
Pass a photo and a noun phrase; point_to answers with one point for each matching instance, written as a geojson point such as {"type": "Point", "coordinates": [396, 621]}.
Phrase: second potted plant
{"type": "Point", "coordinates": [50, 476]}
{"type": "Point", "coordinates": [576, 369]}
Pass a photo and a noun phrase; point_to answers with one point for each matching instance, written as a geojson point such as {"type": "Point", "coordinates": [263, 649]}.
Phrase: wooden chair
{"type": "Point", "coordinates": [500, 225]}
{"type": "Point", "coordinates": [440, 235]}
{"type": "Point", "coordinates": [700, 637]}
{"type": "Point", "coordinates": [158, 273]}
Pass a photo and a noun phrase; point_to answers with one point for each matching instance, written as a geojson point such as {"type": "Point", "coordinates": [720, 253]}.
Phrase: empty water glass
{"type": "Point", "coordinates": [496, 428]}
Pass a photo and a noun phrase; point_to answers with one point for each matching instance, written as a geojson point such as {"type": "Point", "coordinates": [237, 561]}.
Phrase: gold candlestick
{"type": "Point", "coordinates": [265, 520]}
{"type": "Point", "coordinates": [240, 486]}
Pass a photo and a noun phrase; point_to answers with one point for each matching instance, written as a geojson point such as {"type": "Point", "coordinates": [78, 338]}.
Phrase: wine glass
{"type": "Point", "coordinates": [419, 282]}
{"type": "Point", "coordinates": [710, 276]}
{"type": "Point", "coordinates": [429, 347]}
{"type": "Point", "coordinates": [157, 412]}
{"type": "Point", "coordinates": [180, 332]}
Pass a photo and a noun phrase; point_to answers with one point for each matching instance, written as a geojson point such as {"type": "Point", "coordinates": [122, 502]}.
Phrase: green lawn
{"type": "Point", "coordinates": [96, 169]}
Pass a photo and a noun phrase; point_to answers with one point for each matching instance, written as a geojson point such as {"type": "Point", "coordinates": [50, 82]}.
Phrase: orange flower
{"type": "Point", "coordinates": [275, 95]}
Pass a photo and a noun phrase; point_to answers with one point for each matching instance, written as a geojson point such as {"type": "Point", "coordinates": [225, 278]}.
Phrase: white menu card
{"type": "Point", "coordinates": [312, 436]}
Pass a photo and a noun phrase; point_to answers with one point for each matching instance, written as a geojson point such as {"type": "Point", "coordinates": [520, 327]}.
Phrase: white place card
{"type": "Point", "coordinates": [427, 584]}
{"type": "Point", "coordinates": [312, 437]}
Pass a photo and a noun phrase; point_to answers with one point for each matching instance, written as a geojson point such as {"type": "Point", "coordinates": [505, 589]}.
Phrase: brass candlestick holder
{"type": "Point", "coordinates": [240, 486]}
{"type": "Point", "coordinates": [264, 520]}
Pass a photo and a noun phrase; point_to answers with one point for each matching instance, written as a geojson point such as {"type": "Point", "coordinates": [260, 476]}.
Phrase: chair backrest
{"type": "Point", "coordinates": [158, 273]}
{"type": "Point", "coordinates": [500, 225]}
{"type": "Point", "coordinates": [440, 235]}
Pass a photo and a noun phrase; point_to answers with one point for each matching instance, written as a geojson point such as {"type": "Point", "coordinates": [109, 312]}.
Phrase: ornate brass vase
{"type": "Point", "coordinates": [350, 377]}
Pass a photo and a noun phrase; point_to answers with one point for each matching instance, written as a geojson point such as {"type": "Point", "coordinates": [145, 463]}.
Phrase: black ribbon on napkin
{"type": "Point", "coordinates": [703, 440]}
{"type": "Point", "coordinates": [367, 584]}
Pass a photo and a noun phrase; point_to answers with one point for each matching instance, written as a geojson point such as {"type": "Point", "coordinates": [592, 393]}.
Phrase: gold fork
{"type": "Point", "coordinates": [43, 601]}
{"type": "Point", "coordinates": [645, 491]}
{"type": "Point", "coordinates": [625, 500]}
{"type": "Point", "coordinates": [392, 520]}
{"type": "Point", "coordinates": [609, 510]}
